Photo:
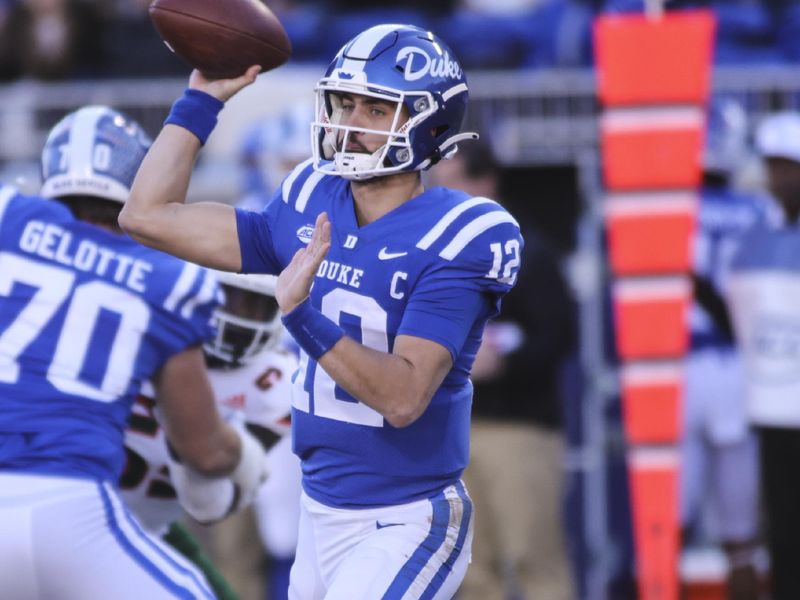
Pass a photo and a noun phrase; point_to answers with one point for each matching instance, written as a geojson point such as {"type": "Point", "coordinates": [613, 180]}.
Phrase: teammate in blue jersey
{"type": "Point", "coordinates": [404, 280]}
{"type": "Point", "coordinates": [719, 452]}
{"type": "Point", "coordinates": [87, 315]}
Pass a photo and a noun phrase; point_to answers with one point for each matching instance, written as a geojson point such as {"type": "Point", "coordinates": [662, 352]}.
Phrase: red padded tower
{"type": "Point", "coordinates": [653, 81]}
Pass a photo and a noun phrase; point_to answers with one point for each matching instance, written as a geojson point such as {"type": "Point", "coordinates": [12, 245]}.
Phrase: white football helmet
{"type": "Point", "coordinates": [94, 151]}
{"type": "Point", "coordinates": [248, 323]}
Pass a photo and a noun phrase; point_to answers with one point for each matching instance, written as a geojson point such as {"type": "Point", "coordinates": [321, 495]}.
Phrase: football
{"type": "Point", "coordinates": [222, 38]}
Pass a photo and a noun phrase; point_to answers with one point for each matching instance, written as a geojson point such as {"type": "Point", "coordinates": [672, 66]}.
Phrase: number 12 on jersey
{"type": "Point", "coordinates": [373, 334]}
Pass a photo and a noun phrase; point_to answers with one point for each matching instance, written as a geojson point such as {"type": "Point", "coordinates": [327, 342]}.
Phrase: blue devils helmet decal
{"type": "Point", "coordinates": [94, 151]}
{"type": "Point", "coordinates": [400, 64]}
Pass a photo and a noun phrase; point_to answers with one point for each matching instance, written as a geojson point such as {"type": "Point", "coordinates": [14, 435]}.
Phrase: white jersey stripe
{"type": "Point", "coordinates": [166, 560]}
{"type": "Point", "coordinates": [289, 181]}
{"type": "Point", "coordinates": [206, 294]}
{"type": "Point", "coordinates": [6, 194]}
{"type": "Point", "coordinates": [438, 229]}
{"type": "Point", "coordinates": [307, 189]}
{"type": "Point", "coordinates": [81, 147]}
{"type": "Point", "coordinates": [182, 286]}
{"type": "Point", "coordinates": [473, 230]}
{"type": "Point", "coordinates": [363, 46]}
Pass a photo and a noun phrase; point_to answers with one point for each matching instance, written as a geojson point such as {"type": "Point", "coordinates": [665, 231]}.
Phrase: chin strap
{"type": "Point", "coordinates": [447, 149]}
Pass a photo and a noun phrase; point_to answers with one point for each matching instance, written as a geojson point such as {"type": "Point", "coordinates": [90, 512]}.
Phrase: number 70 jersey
{"type": "Point", "coordinates": [436, 268]}
{"type": "Point", "coordinates": [86, 315]}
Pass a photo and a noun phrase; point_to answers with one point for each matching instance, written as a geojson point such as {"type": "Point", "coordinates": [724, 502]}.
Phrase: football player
{"type": "Point", "coordinates": [719, 462]}
{"type": "Point", "coordinates": [249, 373]}
{"type": "Point", "coordinates": [404, 280]}
{"type": "Point", "coordinates": [86, 315]}
{"type": "Point", "coordinates": [270, 150]}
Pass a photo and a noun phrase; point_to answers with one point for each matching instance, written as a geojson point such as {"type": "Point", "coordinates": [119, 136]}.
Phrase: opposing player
{"type": "Point", "coordinates": [404, 280]}
{"type": "Point", "coordinates": [86, 315]}
{"type": "Point", "coordinates": [250, 375]}
{"type": "Point", "coordinates": [270, 150]}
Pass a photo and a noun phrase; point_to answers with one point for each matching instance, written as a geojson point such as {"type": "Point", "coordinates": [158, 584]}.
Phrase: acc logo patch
{"type": "Point", "coordinates": [304, 233]}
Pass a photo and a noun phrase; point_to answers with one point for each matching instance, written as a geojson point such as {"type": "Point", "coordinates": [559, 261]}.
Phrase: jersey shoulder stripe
{"type": "Point", "coordinates": [308, 188]}
{"type": "Point", "coordinates": [473, 230]}
{"type": "Point", "coordinates": [7, 193]}
{"type": "Point", "coordinates": [462, 223]}
{"type": "Point", "coordinates": [209, 291]}
{"type": "Point", "coordinates": [184, 284]}
{"type": "Point", "coordinates": [195, 287]}
{"type": "Point", "coordinates": [438, 230]}
{"type": "Point", "coordinates": [304, 168]}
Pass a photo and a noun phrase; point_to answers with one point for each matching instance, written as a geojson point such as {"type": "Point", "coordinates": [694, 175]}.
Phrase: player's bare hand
{"type": "Point", "coordinates": [294, 283]}
{"type": "Point", "coordinates": [223, 89]}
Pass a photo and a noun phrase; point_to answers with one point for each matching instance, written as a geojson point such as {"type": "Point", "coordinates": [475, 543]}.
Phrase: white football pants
{"type": "Point", "coordinates": [412, 551]}
{"type": "Point", "coordinates": [73, 539]}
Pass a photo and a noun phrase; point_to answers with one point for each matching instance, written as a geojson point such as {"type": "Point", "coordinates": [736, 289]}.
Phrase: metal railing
{"type": "Point", "coordinates": [532, 117]}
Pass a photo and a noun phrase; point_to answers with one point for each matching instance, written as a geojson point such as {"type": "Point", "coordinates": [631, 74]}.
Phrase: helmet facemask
{"type": "Point", "coordinates": [330, 137]}
{"type": "Point", "coordinates": [246, 325]}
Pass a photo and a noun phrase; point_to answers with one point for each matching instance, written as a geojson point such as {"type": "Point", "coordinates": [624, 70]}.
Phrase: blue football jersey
{"type": "Point", "coordinates": [435, 267]}
{"type": "Point", "coordinates": [86, 315]}
{"type": "Point", "coordinates": [723, 219]}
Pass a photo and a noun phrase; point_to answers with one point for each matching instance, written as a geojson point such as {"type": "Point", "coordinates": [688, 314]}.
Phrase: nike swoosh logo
{"type": "Point", "coordinates": [384, 254]}
{"type": "Point", "coordinates": [379, 525]}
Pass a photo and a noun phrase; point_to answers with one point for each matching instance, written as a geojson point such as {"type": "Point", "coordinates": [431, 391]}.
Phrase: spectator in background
{"type": "Point", "coordinates": [765, 302]}
{"type": "Point", "coordinates": [515, 469]}
{"type": "Point", "coordinates": [269, 151]}
{"type": "Point", "coordinates": [719, 452]}
{"type": "Point", "coordinates": [51, 40]}
{"type": "Point", "coordinates": [133, 46]}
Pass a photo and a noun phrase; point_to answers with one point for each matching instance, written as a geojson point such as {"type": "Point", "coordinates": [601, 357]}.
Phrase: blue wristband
{"type": "Point", "coordinates": [314, 332]}
{"type": "Point", "coordinates": [197, 112]}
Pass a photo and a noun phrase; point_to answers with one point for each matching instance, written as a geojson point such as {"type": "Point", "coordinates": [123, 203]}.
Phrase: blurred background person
{"type": "Point", "coordinates": [765, 301]}
{"type": "Point", "coordinates": [719, 474]}
{"type": "Point", "coordinates": [51, 40]}
{"type": "Point", "coordinates": [269, 150]}
{"type": "Point", "coordinates": [127, 27]}
{"type": "Point", "coordinates": [515, 472]}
